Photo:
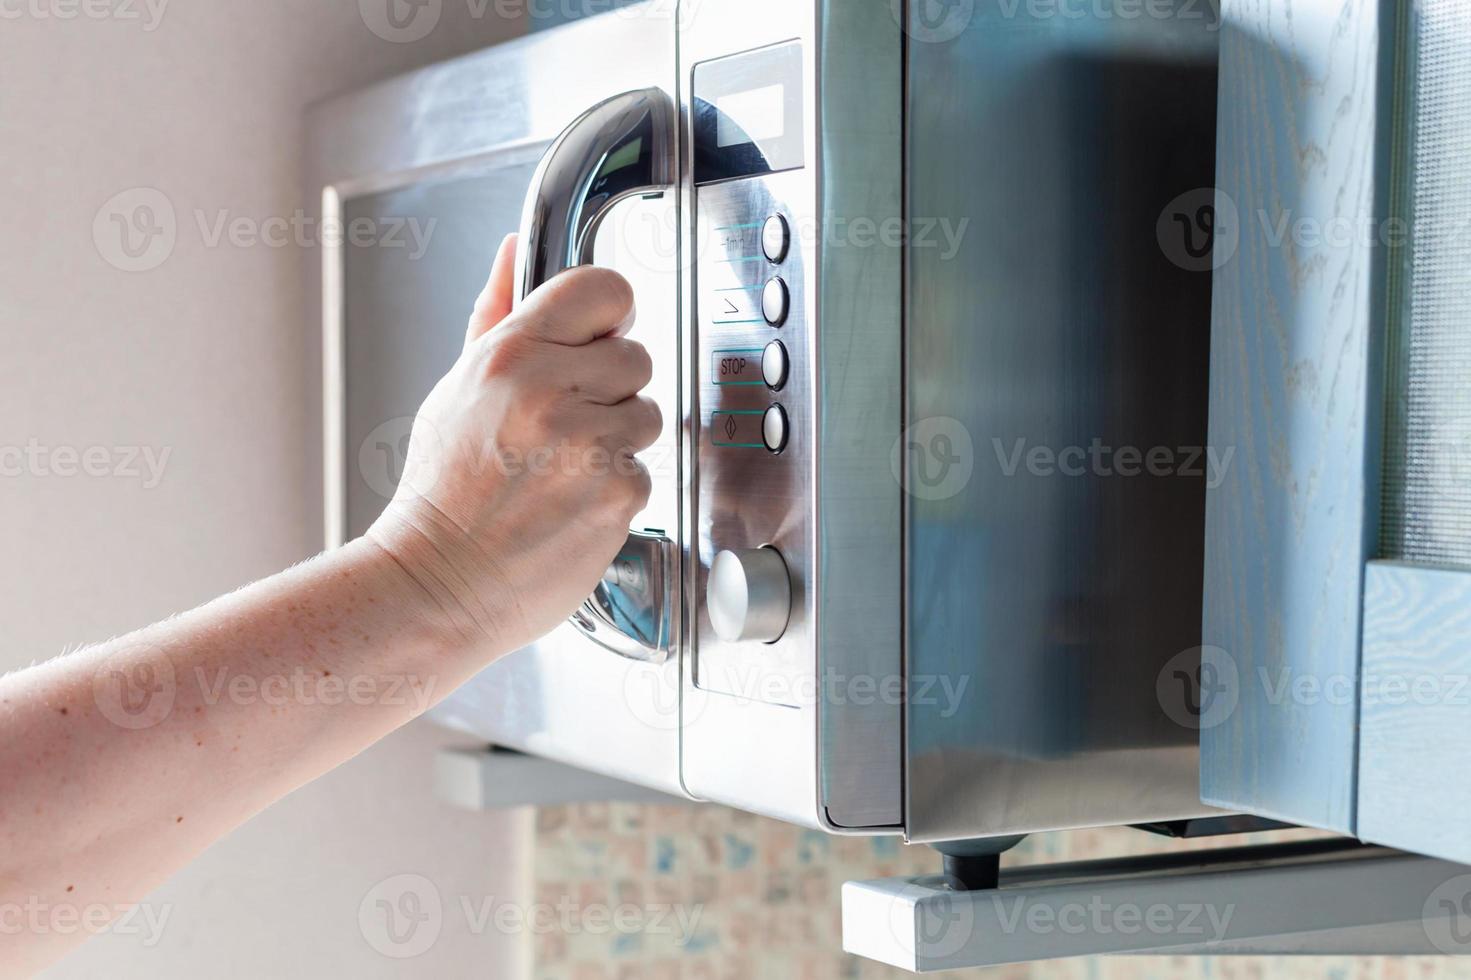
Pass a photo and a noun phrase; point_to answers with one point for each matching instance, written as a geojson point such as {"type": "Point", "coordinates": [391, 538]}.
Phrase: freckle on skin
{"type": "Point", "coordinates": [179, 820]}
{"type": "Point", "coordinates": [63, 710]}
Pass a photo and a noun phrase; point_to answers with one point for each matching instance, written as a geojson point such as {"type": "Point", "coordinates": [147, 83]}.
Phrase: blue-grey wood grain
{"type": "Point", "coordinates": [1293, 326]}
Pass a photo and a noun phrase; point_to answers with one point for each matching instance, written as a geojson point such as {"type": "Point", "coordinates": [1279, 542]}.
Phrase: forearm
{"type": "Point", "coordinates": [120, 763]}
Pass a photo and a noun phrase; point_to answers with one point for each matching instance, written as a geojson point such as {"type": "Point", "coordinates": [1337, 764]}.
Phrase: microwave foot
{"type": "Point", "coordinates": [974, 865]}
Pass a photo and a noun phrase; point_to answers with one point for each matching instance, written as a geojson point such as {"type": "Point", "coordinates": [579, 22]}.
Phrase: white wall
{"type": "Point", "coordinates": [202, 357]}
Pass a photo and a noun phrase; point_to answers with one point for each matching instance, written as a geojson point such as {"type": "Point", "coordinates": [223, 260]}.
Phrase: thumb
{"type": "Point", "coordinates": [494, 304]}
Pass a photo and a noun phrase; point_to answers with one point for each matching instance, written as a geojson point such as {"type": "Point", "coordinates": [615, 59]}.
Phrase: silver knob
{"type": "Point", "coordinates": [749, 596]}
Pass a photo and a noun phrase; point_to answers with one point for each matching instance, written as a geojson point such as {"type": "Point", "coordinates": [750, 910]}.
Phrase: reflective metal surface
{"type": "Point", "coordinates": [620, 149]}
{"type": "Point", "coordinates": [488, 119]}
{"type": "Point", "coordinates": [979, 656]}
{"type": "Point", "coordinates": [1054, 588]}
{"type": "Point", "coordinates": [631, 612]}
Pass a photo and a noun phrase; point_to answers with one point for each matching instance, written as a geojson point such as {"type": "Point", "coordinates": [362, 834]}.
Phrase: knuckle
{"type": "Point", "coordinates": [638, 363]}
{"type": "Point", "coordinates": [608, 290]}
{"type": "Point", "coordinates": [505, 356]}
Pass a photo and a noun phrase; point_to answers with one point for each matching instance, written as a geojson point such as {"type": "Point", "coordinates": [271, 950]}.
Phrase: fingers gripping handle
{"type": "Point", "coordinates": [620, 148]}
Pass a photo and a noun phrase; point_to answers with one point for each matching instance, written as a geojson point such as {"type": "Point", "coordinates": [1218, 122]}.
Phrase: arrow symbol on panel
{"type": "Point", "coordinates": [730, 307]}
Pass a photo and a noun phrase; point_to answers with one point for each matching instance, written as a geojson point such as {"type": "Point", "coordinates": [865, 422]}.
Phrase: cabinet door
{"type": "Point", "coordinates": [1338, 545]}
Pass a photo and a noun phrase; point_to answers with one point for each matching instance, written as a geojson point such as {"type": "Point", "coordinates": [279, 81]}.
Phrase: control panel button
{"type": "Point", "coordinates": [735, 305]}
{"type": "Point", "coordinates": [774, 365]}
{"type": "Point", "coordinates": [742, 367]}
{"type": "Point", "coordinates": [775, 301]}
{"type": "Point", "coordinates": [738, 430]}
{"type": "Point", "coordinates": [774, 428]}
{"type": "Point", "coordinates": [749, 596]}
{"type": "Point", "coordinates": [776, 237]}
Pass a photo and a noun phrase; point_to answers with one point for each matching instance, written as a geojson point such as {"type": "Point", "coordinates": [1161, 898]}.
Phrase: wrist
{"type": "Point", "coordinates": [440, 577]}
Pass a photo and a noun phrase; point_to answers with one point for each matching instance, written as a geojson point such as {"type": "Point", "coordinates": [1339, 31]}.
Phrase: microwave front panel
{"type": "Point", "coordinates": [792, 195]}
{"type": "Point", "coordinates": [749, 710]}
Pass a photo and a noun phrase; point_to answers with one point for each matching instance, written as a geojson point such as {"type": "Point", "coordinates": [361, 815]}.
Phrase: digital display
{"type": "Point", "coordinates": [751, 116]}
{"type": "Point", "coordinates": [748, 114]}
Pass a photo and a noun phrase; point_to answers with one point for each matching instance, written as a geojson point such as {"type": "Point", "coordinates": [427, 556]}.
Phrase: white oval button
{"type": "Point", "coordinates": [774, 302]}
{"type": "Point", "coordinates": [775, 237]}
{"type": "Point", "coordinates": [774, 428]}
{"type": "Point", "coordinates": [774, 365]}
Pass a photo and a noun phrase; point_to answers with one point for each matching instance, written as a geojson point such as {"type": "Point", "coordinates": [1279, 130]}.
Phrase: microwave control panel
{"type": "Point", "coordinates": [753, 224]}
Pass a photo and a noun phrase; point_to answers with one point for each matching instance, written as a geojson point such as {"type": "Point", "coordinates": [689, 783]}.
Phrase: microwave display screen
{"type": "Point", "coordinates": [753, 115]}
{"type": "Point", "coordinates": [748, 116]}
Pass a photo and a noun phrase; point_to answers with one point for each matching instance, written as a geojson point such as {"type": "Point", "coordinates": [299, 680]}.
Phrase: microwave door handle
{"type": "Point", "coordinates": [620, 148]}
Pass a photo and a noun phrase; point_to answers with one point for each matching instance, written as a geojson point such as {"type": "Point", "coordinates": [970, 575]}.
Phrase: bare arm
{"type": "Point", "coordinates": [120, 763]}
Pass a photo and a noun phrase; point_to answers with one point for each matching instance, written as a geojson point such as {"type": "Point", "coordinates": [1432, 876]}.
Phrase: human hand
{"type": "Point", "coordinates": [521, 479]}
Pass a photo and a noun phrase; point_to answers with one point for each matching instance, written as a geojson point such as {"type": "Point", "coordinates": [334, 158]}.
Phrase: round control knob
{"type": "Point", "coordinates": [776, 299]}
{"type": "Point", "coordinates": [749, 596]}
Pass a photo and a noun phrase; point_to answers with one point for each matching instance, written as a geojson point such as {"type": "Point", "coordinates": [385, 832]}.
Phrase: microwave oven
{"type": "Point", "coordinates": [924, 555]}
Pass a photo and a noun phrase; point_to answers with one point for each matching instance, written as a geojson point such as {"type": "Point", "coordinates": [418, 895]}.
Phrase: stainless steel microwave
{"type": "Point", "coordinates": [925, 551]}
